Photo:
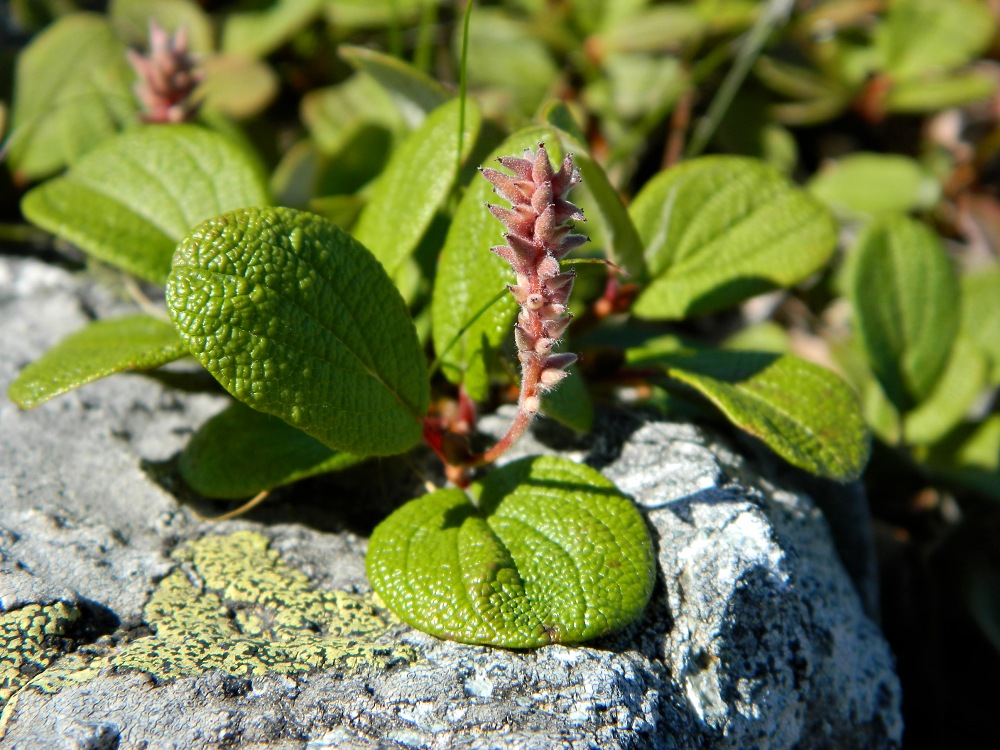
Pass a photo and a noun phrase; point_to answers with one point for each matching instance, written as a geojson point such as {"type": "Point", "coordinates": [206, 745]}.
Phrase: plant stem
{"type": "Point", "coordinates": [774, 13]}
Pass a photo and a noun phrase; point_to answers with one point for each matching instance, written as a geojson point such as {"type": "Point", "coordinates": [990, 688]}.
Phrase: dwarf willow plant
{"type": "Point", "coordinates": [322, 335]}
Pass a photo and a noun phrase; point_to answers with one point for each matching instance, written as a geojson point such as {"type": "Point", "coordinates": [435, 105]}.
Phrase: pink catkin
{"type": "Point", "coordinates": [537, 238]}
{"type": "Point", "coordinates": [167, 77]}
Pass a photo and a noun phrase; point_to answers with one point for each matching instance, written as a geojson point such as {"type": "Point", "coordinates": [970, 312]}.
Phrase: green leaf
{"type": "Point", "coordinates": [803, 412]}
{"type": "Point", "coordinates": [237, 85]}
{"type": "Point", "coordinates": [971, 456]}
{"type": "Point", "coordinates": [72, 90]}
{"type": "Point", "coordinates": [864, 184]}
{"type": "Point", "coordinates": [355, 13]}
{"type": "Point", "coordinates": [334, 115]}
{"type": "Point", "coordinates": [657, 29]}
{"type": "Point", "coordinates": [550, 553]}
{"type": "Point", "coordinates": [297, 319]}
{"type": "Point", "coordinates": [601, 203]}
{"type": "Point", "coordinates": [508, 61]}
{"type": "Point", "coordinates": [981, 315]}
{"type": "Point", "coordinates": [129, 201]}
{"type": "Point", "coordinates": [415, 185]}
{"type": "Point", "coordinates": [104, 348]}
{"type": "Point", "coordinates": [906, 302]}
{"type": "Point", "coordinates": [414, 92]}
{"type": "Point", "coordinates": [935, 93]}
{"type": "Point", "coordinates": [930, 36]}
{"type": "Point", "coordinates": [469, 275]}
{"type": "Point", "coordinates": [958, 388]}
{"type": "Point", "coordinates": [719, 229]}
{"type": "Point", "coordinates": [259, 32]}
{"type": "Point", "coordinates": [241, 452]}
{"type": "Point", "coordinates": [570, 404]}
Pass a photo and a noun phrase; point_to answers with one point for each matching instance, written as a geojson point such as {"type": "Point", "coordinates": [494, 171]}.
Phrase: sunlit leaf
{"type": "Point", "coordinates": [297, 319]}
{"type": "Point", "coordinates": [131, 200]}
{"type": "Point", "coordinates": [101, 349]}
{"type": "Point", "coordinates": [550, 552]}
{"type": "Point", "coordinates": [72, 90]}
{"type": "Point", "coordinates": [415, 184]}
{"type": "Point", "coordinates": [803, 412]}
{"type": "Point", "coordinates": [719, 229]}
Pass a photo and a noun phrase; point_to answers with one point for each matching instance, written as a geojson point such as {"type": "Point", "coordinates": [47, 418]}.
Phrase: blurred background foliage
{"type": "Point", "coordinates": [887, 111]}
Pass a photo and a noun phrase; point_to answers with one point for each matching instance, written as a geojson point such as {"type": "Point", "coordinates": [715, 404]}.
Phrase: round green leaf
{"type": "Point", "coordinates": [297, 319]}
{"type": "Point", "coordinates": [803, 412]}
{"type": "Point", "coordinates": [104, 348]}
{"type": "Point", "coordinates": [129, 201]}
{"type": "Point", "coordinates": [906, 301]}
{"type": "Point", "coordinates": [719, 229]}
{"type": "Point", "coordinates": [241, 452]}
{"type": "Point", "coordinates": [551, 552]}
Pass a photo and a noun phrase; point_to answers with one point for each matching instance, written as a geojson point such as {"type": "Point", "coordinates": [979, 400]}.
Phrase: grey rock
{"type": "Point", "coordinates": [756, 636]}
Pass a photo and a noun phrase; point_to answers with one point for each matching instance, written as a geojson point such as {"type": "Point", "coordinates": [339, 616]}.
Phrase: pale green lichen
{"type": "Point", "coordinates": [232, 605]}
{"type": "Point", "coordinates": [31, 637]}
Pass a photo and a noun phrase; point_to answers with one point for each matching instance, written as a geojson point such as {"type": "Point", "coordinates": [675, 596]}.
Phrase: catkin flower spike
{"type": "Point", "coordinates": [537, 236]}
{"type": "Point", "coordinates": [167, 77]}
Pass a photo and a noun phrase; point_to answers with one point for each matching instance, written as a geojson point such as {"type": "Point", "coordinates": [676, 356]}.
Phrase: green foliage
{"type": "Point", "coordinates": [720, 229]}
{"type": "Point", "coordinates": [241, 452]}
{"type": "Point", "coordinates": [402, 204]}
{"type": "Point", "coordinates": [297, 319]}
{"type": "Point", "coordinates": [131, 200]}
{"type": "Point", "coordinates": [805, 413]}
{"type": "Point", "coordinates": [322, 324]}
{"type": "Point", "coordinates": [865, 184]}
{"type": "Point", "coordinates": [71, 91]}
{"type": "Point", "coordinates": [906, 299]}
{"type": "Point", "coordinates": [548, 551]}
{"type": "Point", "coordinates": [103, 348]}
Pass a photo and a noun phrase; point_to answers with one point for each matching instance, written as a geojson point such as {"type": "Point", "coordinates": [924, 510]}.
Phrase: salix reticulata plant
{"type": "Point", "coordinates": [538, 237]}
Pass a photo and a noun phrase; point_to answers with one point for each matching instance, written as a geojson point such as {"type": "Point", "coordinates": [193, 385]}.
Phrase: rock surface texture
{"type": "Point", "coordinates": [126, 621]}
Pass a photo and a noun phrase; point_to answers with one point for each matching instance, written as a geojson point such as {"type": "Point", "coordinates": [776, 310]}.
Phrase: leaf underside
{"type": "Point", "coordinates": [552, 554]}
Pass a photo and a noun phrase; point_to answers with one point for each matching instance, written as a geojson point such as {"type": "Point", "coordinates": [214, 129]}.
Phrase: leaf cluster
{"type": "Point", "coordinates": [332, 272]}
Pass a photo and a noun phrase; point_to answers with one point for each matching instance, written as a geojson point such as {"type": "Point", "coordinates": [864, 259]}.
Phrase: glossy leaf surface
{"type": "Point", "coordinates": [132, 199]}
{"type": "Point", "coordinates": [103, 348]}
{"type": "Point", "coordinates": [551, 553]}
{"type": "Point", "coordinates": [297, 319]}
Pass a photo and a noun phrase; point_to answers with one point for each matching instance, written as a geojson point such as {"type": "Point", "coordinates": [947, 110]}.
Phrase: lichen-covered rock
{"type": "Point", "coordinates": [128, 621]}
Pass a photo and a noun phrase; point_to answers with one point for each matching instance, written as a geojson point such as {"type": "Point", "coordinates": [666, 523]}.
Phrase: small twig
{"type": "Point", "coordinates": [246, 507]}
